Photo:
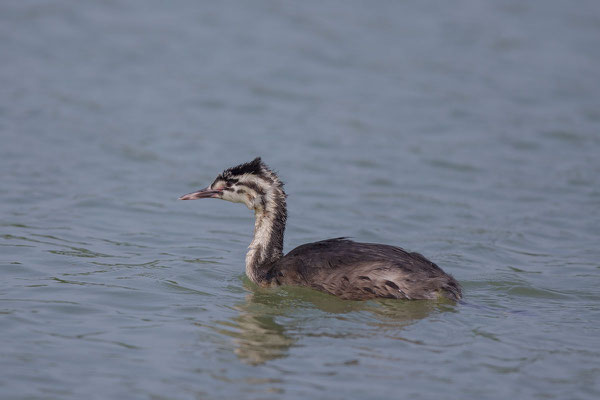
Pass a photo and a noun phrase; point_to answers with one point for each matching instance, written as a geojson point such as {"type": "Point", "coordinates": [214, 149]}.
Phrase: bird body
{"type": "Point", "coordinates": [359, 271]}
{"type": "Point", "coordinates": [344, 268]}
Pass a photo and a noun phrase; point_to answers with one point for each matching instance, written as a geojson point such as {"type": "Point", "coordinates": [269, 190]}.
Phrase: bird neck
{"type": "Point", "coordinates": [267, 244]}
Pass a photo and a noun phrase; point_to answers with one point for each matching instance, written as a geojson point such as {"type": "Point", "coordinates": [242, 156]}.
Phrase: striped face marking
{"type": "Point", "coordinates": [259, 188]}
{"type": "Point", "coordinates": [251, 183]}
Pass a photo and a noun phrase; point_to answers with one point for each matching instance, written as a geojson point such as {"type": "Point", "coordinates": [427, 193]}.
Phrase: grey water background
{"type": "Point", "coordinates": [468, 131]}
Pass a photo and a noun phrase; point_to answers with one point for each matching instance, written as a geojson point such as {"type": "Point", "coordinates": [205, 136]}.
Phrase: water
{"type": "Point", "coordinates": [467, 131]}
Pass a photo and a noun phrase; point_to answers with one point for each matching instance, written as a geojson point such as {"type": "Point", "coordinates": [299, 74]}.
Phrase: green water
{"type": "Point", "coordinates": [467, 131]}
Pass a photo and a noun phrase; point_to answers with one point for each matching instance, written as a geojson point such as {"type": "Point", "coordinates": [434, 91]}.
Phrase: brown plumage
{"type": "Point", "coordinates": [360, 271]}
{"type": "Point", "coordinates": [344, 268]}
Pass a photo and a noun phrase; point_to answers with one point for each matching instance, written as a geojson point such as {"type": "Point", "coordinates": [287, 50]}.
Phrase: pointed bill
{"type": "Point", "coordinates": [205, 193]}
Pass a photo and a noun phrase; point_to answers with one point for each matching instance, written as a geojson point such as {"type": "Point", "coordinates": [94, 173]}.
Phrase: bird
{"type": "Point", "coordinates": [342, 267]}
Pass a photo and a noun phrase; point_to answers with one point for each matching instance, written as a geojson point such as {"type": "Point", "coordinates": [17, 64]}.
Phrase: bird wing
{"type": "Point", "coordinates": [355, 270]}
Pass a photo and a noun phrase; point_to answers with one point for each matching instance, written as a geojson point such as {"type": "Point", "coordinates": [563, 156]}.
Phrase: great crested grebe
{"type": "Point", "coordinates": [342, 267]}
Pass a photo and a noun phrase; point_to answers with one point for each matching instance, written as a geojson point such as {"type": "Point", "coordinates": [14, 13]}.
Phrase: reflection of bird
{"type": "Point", "coordinates": [260, 334]}
{"type": "Point", "coordinates": [339, 266]}
{"type": "Point", "coordinates": [257, 337]}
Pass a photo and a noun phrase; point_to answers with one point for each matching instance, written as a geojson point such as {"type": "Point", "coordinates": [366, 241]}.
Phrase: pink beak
{"type": "Point", "coordinates": [205, 193]}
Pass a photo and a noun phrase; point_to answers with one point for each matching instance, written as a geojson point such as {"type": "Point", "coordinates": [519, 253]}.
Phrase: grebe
{"type": "Point", "coordinates": [344, 268]}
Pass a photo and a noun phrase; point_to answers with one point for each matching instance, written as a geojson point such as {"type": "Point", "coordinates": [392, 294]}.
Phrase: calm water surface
{"type": "Point", "coordinates": [468, 131]}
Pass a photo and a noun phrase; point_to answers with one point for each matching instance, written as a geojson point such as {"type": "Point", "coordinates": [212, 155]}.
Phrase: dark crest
{"type": "Point", "coordinates": [255, 167]}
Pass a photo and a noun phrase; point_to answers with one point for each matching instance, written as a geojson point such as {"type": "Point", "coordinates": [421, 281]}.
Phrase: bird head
{"type": "Point", "coordinates": [252, 183]}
